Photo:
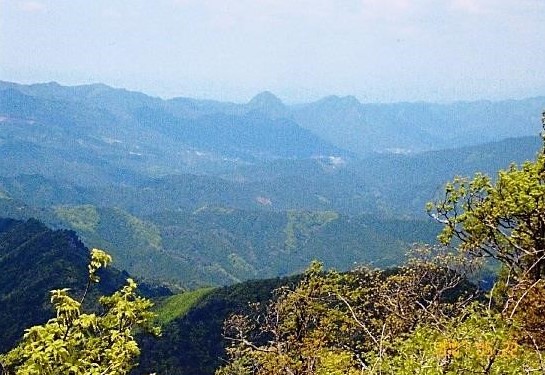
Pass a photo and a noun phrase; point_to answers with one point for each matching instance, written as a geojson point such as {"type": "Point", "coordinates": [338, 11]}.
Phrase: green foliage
{"type": "Point", "coordinates": [84, 343]}
{"type": "Point", "coordinates": [84, 218]}
{"type": "Point", "coordinates": [35, 259]}
{"type": "Point", "coordinates": [192, 343]}
{"type": "Point", "coordinates": [417, 320]}
{"type": "Point", "coordinates": [301, 225]}
{"type": "Point", "coordinates": [99, 259]}
{"type": "Point", "coordinates": [330, 322]}
{"type": "Point", "coordinates": [477, 342]}
{"type": "Point", "coordinates": [503, 219]}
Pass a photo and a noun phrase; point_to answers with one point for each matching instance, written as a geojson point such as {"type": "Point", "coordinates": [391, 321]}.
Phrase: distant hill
{"type": "Point", "coordinates": [404, 183]}
{"type": "Point", "coordinates": [207, 193]}
{"type": "Point", "coordinates": [416, 127]}
{"type": "Point", "coordinates": [112, 134]}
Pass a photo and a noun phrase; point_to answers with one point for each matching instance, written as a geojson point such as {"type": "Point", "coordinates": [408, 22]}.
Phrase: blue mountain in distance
{"type": "Point", "coordinates": [241, 174]}
{"type": "Point", "coordinates": [268, 104]}
{"type": "Point", "coordinates": [343, 122]}
{"type": "Point", "coordinates": [416, 127]}
{"type": "Point", "coordinates": [138, 133]}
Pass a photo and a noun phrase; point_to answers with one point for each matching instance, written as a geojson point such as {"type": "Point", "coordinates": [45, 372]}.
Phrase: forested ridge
{"type": "Point", "coordinates": [213, 241]}
{"type": "Point", "coordinates": [215, 194]}
{"type": "Point", "coordinates": [426, 316]}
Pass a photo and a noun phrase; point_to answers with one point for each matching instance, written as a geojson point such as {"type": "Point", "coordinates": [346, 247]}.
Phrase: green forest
{"type": "Point", "coordinates": [425, 316]}
{"type": "Point", "coordinates": [272, 187]}
{"type": "Point", "coordinates": [139, 236]}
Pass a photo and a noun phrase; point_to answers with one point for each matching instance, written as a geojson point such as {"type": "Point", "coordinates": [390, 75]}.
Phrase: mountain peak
{"type": "Point", "coordinates": [265, 99]}
{"type": "Point", "coordinates": [267, 103]}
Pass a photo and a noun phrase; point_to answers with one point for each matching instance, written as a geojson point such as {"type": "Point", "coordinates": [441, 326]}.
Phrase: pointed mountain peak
{"type": "Point", "coordinates": [351, 100]}
{"type": "Point", "coordinates": [265, 99]}
{"type": "Point", "coordinates": [267, 103]}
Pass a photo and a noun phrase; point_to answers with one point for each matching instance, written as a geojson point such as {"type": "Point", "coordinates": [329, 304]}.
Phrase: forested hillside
{"type": "Point", "coordinates": [271, 187]}
{"type": "Point", "coordinates": [192, 341]}
{"type": "Point", "coordinates": [215, 246]}
{"type": "Point", "coordinates": [35, 260]}
{"type": "Point", "coordinates": [209, 193]}
{"type": "Point", "coordinates": [379, 300]}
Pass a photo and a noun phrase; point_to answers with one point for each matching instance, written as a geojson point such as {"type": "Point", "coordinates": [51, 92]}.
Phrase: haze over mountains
{"type": "Point", "coordinates": [265, 127]}
{"type": "Point", "coordinates": [206, 192]}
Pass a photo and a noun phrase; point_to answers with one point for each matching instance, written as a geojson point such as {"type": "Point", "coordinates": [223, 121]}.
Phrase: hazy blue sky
{"type": "Point", "coordinates": [377, 50]}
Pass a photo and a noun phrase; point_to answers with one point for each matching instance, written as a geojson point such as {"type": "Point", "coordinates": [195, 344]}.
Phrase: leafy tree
{"type": "Point", "coordinates": [84, 343]}
{"type": "Point", "coordinates": [331, 321]}
{"type": "Point", "coordinates": [416, 320]}
{"type": "Point", "coordinates": [477, 342]}
{"type": "Point", "coordinates": [502, 218]}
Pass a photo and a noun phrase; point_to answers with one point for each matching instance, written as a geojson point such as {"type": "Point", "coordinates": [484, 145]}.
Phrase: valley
{"type": "Point", "coordinates": [201, 192]}
{"type": "Point", "coordinates": [213, 205]}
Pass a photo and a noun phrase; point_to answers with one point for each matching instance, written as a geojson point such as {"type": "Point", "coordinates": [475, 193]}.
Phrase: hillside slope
{"type": "Point", "coordinates": [34, 260]}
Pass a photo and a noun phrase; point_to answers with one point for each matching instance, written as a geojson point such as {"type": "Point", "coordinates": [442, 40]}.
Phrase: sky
{"type": "Point", "coordinates": [301, 50]}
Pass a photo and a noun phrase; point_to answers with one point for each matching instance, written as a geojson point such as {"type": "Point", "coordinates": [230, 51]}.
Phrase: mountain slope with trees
{"type": "Point", "coordinates": [34, 260]}
{"type": "Point", "coordinates": [419, 318]}
{"type": "Point", "coordinates": [218, 246]}
{"type": "Point", "coordinates": [423, 314]}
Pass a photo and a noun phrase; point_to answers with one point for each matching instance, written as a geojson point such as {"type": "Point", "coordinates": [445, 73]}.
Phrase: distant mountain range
{"type": "Point", "coordinates": [203, 192]}
{"type": "Point", "coordinates": [95, 125]}
{"type": "Point", "coordinates": [131, 124]}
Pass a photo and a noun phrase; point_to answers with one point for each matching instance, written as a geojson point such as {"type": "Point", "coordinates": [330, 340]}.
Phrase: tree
{"type": "Point", "coordinates": [502, 218]}
{"type": "Point", "coordinates": [477, 342]}
{"type": "Point", "coordinates": [84, 343]}
{"type": "Point", "coordinates": [330, 322]}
